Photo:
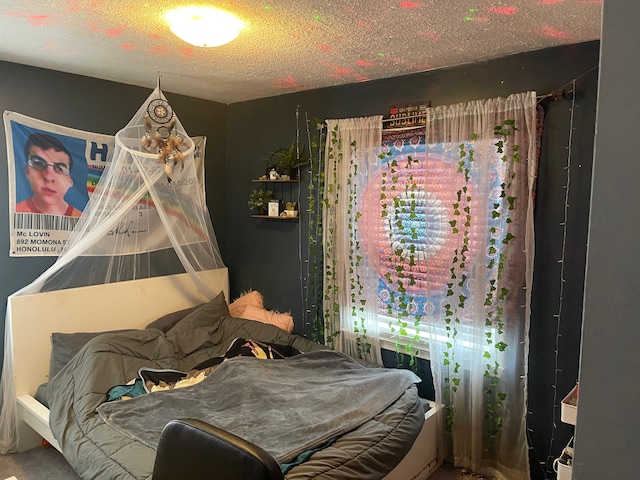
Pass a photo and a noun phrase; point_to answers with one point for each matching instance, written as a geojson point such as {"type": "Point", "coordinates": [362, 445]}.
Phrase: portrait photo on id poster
{"type": "Point", "coordinates": [51, 173]}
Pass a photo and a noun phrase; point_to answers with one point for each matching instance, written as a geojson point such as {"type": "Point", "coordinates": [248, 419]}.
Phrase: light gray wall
{"type": "Point", "coordinates": [608, 424]}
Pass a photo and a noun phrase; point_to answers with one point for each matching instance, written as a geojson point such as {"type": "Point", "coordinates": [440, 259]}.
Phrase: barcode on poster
{"type": "Point", "coordinates": [32, 221]}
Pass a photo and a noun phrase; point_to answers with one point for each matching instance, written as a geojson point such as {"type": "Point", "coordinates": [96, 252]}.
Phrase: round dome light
{"type": "Point", "coordinates": [204, 26]}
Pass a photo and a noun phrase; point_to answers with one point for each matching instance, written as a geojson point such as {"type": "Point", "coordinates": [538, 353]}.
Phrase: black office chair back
{"type": "Point", "coordinates": [194, 450]}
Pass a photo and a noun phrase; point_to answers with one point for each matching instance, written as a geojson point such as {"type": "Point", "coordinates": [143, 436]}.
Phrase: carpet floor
{"type": "Point", "coordinates": [47, 463]}
{"type": "Point", "coordinates": [36, 464]}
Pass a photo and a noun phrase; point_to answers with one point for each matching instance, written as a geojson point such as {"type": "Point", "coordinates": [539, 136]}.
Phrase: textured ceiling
{"type": "Point", "coordinates": [288, 45]}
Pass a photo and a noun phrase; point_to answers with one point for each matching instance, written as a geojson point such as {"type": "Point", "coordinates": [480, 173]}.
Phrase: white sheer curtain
{"type": "Point", "coordinates": [436, 239]}
{"type": "Point", "coordinates": [479, 330]}
{"type": "Point", "coordinates": [439, 243]}
{"type": "Point", "coordinates": [350, 277]}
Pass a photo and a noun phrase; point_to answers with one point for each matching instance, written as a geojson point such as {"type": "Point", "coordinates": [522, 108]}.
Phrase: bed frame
{"type": "Point", "coordinates": [113, 306]}
{"type": "Point", "coordinates": [133, 304]}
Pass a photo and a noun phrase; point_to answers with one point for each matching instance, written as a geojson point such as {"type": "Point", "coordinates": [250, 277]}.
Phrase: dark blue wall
{"type": "Point", "coordinates": [97, 106]}
{"type": "Point", "coordinates": [270, 256]}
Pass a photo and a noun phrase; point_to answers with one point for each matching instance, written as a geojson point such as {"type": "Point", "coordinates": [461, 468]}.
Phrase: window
{"type": "Point", "coordinates": [433, 229]}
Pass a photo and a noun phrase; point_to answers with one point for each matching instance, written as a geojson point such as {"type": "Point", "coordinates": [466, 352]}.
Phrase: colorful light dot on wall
{"type": "Point", "coordinates": [551, 32]}
{"type": "Point", "coordinates": [286, 83]}
{"type": "Point", "coordinates": [469, 18]}
{"type": "Point", "coordinates": [34, 20]}
{"type": "Point", "coordinates": [114, 32]}
{"type": "Point", "coordinates": [503, 10]}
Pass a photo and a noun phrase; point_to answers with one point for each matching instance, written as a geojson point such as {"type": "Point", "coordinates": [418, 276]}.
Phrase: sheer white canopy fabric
{"type": "Point", "coordinates": [146, 217]}
{"type": "Point", "coordinates": [350, 284]}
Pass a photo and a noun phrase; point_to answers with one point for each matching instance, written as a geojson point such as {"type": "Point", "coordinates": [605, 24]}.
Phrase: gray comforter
{"type": "Point", "coordinates": [247, 396]}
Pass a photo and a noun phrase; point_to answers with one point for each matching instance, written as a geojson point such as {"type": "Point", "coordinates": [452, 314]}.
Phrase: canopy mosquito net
{"type": "Point", "coordinates": [147, 217]}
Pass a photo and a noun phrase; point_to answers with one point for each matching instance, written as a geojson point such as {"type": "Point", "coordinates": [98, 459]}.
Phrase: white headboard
{"type": "Point", "coordinates": [131, 304]}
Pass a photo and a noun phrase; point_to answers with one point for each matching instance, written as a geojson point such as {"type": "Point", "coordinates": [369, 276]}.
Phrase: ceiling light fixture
{"type": "Point", "coordinates": [204, 26]}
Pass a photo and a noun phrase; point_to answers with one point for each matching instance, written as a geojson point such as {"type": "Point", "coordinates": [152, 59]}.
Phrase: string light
{"type": "Point", "coordinates": [558, 316]}
{"type": "Point", "coordinates": [558, 94]}
{"type": "Point", "coordinates": [307, 286]}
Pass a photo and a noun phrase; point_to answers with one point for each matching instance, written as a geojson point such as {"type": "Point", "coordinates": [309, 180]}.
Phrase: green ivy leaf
{"type": "Point", "coordinates": [507, 238]}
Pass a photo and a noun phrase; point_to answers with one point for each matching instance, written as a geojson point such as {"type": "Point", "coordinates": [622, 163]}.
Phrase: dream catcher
{"type": "Point", "coordinates": [165, 141]}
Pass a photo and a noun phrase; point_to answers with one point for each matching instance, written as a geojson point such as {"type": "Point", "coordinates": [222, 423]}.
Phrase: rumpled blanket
{"type": "Point", "coordinates": [286, 407]}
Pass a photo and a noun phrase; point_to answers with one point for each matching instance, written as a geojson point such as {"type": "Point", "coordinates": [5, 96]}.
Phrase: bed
{"type": "Point", "coordinates": [394, 437]}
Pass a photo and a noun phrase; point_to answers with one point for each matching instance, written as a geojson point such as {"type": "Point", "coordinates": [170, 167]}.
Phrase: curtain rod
{"type": "Point", "coordinates": [559, 93]}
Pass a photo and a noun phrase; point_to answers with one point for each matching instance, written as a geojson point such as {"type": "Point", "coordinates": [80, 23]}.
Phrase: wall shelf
{"type": "Point", "coordinates": [569, 407]}
{"type": "Point", "coordinates": [276, 181]}
{"type": "Point", "coordinates": [272, 217]}
{"type": "Point", "coordinates": [285, 191]}
{"type": "Point", "coordinates": [569, 410]}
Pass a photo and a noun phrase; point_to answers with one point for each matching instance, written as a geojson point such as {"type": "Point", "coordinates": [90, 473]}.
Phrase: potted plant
{"type": "Point", "coordinates": [287, 160]}
{"type": "Point", "coordinates": [259, 199]}
{"type": "Point", "coordinates": [291, 209]}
